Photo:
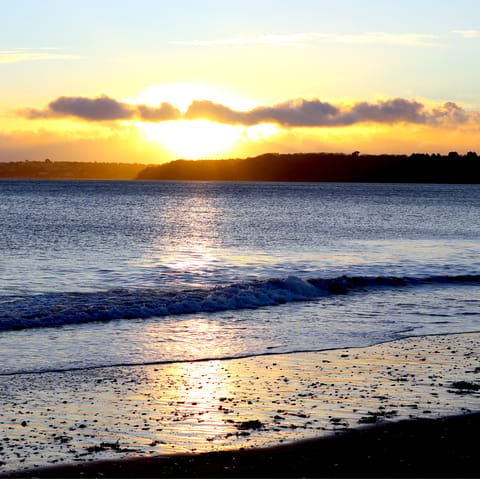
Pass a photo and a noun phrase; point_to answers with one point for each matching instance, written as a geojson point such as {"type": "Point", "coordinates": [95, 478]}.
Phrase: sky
{"type": "Point", "coordinates": [150, 81]}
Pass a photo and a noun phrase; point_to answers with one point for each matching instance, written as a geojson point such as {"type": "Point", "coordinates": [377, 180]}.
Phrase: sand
{"type": "Point", "coordinates": [445, 447]}
{"type": "Point", "coordinates": [85, 416]}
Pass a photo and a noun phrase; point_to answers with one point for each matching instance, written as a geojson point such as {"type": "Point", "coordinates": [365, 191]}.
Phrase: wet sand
{"type": "Point", "coordinates": [86, 416]}
{"type": "Point", "coordinates": [445, 447]}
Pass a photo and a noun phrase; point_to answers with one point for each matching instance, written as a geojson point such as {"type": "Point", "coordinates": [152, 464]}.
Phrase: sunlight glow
{"type": "Point", "coordinates": [259, 132]}
{"type": "Point", "coordinates": [192, 139]}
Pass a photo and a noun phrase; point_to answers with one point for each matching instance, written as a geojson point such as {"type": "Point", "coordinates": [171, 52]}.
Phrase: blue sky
{"type": "Point", "coordinates": [112, 36]}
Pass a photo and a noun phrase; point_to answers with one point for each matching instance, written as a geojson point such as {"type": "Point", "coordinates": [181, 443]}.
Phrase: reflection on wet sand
{"type": "Point", "coordinates": [87, 415]}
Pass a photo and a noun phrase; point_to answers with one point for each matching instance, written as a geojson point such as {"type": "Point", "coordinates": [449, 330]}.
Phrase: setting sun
{"type": "Point", "coordinates": [192, 139]}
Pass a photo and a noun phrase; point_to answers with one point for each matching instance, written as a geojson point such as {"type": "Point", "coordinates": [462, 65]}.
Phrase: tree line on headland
{"type": "Point", "coordinates": [318, 167]}
{"type": "Point", "coordinates": [314, 167]}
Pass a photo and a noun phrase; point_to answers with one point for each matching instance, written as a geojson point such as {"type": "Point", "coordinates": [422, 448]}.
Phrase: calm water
{"type": "Point", "coordinates": [96, 273]}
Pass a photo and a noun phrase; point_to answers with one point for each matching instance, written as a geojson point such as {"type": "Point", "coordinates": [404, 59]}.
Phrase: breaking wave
{"type": "Point", "coordinates": [56, 309]}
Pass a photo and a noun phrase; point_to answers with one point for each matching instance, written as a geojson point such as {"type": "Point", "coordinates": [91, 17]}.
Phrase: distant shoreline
{"type": "Point", "coordinates": [271, 167]}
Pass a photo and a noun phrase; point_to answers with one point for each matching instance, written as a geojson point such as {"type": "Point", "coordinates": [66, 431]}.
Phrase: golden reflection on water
{"type": "Point", "coordinates": [196, 393]}
{"type": "Point", "coordinates": [192, 398]}
{"type": "Point", "coordinates": [192, 236]}
{"type": "Point", "coordinates": [203, 387]}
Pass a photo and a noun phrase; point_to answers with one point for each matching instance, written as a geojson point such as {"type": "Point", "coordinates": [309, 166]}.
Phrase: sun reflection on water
{"type": "Point", "coordinates": [193, 240]}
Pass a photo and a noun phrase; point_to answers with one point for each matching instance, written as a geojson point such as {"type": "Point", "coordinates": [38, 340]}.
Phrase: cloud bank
{"type": "Point", "coordinates": [289, 114]}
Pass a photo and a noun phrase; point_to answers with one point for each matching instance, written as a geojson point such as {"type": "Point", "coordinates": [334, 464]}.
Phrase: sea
{"type": "Point", "coordinates": [102, 273]}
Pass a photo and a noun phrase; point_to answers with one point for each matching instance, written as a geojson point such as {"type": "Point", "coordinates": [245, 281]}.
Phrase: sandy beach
{"type": "Point", "coordinates": [443, 447]}
{"type": "Point", "coordinates": [150, 411]}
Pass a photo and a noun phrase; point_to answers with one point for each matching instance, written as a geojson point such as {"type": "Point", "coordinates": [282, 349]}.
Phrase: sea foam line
{"type": "Point", "coordinates": [56, 309]}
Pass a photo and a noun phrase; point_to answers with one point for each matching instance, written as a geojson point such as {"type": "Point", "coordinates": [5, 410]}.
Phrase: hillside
{"type": "Point", "coordinates": [314, 167]}
{"type": "Point", "coordinates": [317, 167]}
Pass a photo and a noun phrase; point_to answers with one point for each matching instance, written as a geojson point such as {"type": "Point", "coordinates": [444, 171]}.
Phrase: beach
{"type": "Point", "coordinates": [87, 416]}
{"type": "Point", "coordinates": [144, 321]}
{"type": "Point", "coordinates": [444, 447]}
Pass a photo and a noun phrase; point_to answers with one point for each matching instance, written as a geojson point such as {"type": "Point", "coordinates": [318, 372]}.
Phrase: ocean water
{"type": "Point", "coordinates": [109, 273]}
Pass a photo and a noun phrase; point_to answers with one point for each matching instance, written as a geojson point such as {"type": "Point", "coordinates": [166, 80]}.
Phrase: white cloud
{"type": "Point", "coordinates": [282, 40]}
{"type": "Point", "coordinates": [468, 33]}
{"type": "Point", "coordinates": [301, 39]}
{"type": "Point", "coordinates": [403, 39]}
{"type": "Point", "coordinates": [33, 54]}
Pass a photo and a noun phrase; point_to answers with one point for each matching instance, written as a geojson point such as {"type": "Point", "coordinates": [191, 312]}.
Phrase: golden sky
{"type": "Point", "coordinates": [151, 81]}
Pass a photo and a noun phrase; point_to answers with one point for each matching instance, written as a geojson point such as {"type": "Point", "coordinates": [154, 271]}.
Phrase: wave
{"type": "Point", "coordinates": [57, 309]}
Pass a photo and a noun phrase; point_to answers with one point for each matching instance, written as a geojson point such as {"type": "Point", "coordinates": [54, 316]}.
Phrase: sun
{"type": "Point", "coordinates": [192, 139]}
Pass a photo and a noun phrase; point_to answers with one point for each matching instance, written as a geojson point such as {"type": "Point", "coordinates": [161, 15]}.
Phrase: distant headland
{"type": "Point", "coordinates": [298, 167]}
{"type": "Point", "coordinates": [69, 170]}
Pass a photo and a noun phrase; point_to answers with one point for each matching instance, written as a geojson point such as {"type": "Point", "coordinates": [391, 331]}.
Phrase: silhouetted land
{"type": "Point", "coordinates": [416, 168]}
{"type": "Point", "coordinates": [69, 170]}
{"type": "Point", "coordinates": [316, 167]}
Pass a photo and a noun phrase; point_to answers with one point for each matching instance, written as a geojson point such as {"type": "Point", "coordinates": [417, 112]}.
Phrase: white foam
{"type": "Point", "coordinates": [55, 309]}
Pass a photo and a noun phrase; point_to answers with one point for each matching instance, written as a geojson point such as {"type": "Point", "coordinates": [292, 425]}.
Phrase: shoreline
{"type": "Point", "coordinates": [442, 447]}
{"type": "Point", "coordinates": [119, 413]}
{"type": "Point", "coordinates": [228, 358]}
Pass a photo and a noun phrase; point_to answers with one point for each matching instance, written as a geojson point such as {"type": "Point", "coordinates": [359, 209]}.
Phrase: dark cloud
{"type": "Point", "coordinates": [451, 112]}
{"type": "Point", "coordinates": [390, 111]}
{"type": "Point", "coordinates": [163, 112]}
{"type": "Point", "coordinates": [311, 113]}
{"type": "Point", "coordinates": [91, 109]}
{"type": "Point", "coordinates": [293, 113]}
{"type": "Point", "coordinates": [103, 108]}
{"type": "Point", "coordinates": [96, 109]}
{"type": "Point", "coordinates": [298, 113]}
{"type": "Point", "coordinates": [290, 113]}
{"type": "Point", "coordinates": [205, 109]}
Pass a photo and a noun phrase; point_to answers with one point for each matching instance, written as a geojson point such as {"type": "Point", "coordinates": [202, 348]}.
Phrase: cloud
{"type": "Point", "coordinates": [291, 113]}
{"type": "Point", "coordinates": [91, 109]}
{"type": "Point", "coordinates": [295, 113]}
{"type": "Point", "coordinates": [315, 113]}
{"type": "Point", "coordinates": [32, 54]}
{"type": "Point", "coordinates": [99, 109]}
{"type": "Point", "coordinates": [468, 33]}
{"type": "Point", "coordinates": [206, 109]}
{"type": "Point", "coordinates": [164, 112]}
{"type": "Point", "coordinates": [312, 38]}
{"type": "Point", "coordinates": [102, 108]}
{"type": "Point", "coordinates": [401, 39]}
{"type": "Point", "coordinates": [274, 40]}
{"type": "Point", "coordinates": [298, 113]}
{"type": "Point", "coordinates": [389, 111]}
